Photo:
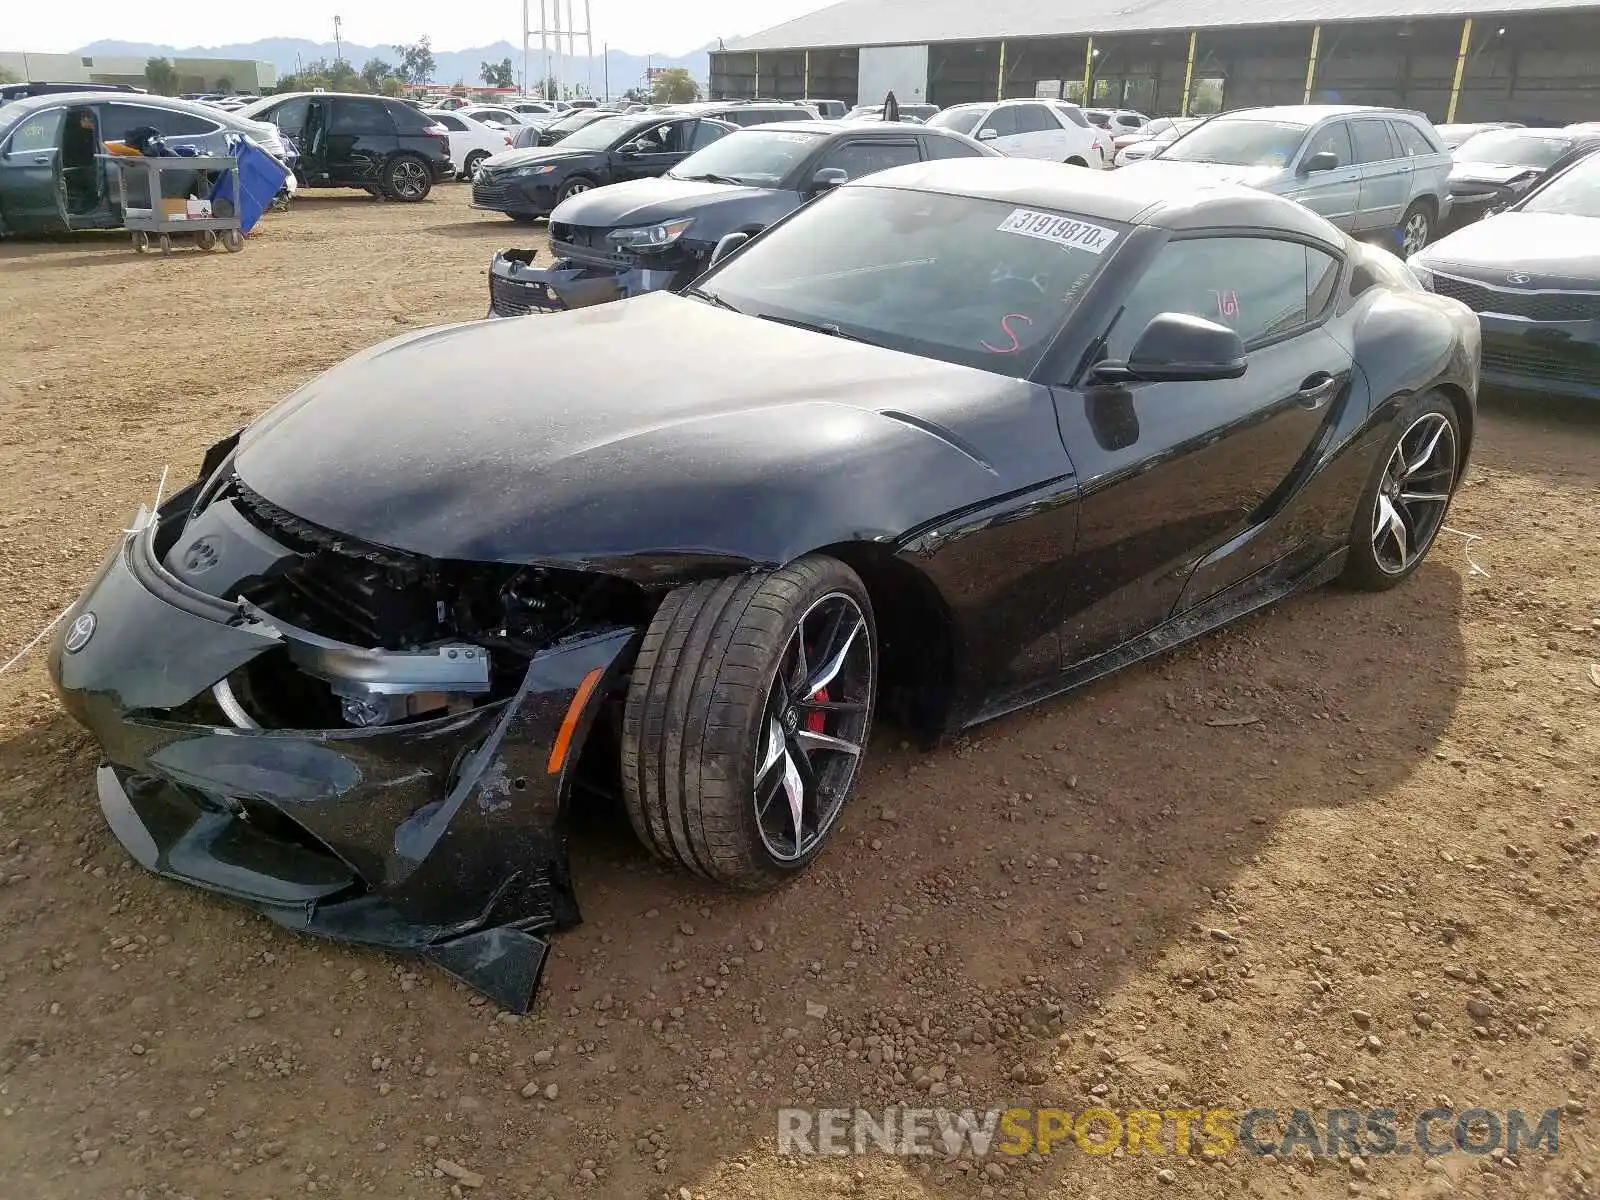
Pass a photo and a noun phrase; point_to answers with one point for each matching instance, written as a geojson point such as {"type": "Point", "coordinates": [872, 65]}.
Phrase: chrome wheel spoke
{"type": "Point", "coordinates": [794, 789]}
{"type": "Point", "coordinates": [1426, 453]}
{"type": "Point", "coordinates": [810, 740]}
{"type": "Point", "coordinates": [830, 706]}
{"type": "Point", "coordinates": [1423, 497]}
{"type": "Point", "coordinates": [851, 623]}
{"type": "Point", "coordinates": [1391, 527]}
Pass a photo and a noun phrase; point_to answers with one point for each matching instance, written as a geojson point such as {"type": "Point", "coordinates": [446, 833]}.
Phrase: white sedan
{"type": "Point", "coordinates": [471, 141]}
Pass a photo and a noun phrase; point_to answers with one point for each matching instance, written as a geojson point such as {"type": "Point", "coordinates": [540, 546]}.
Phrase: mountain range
{"type": "Point", "coordinates": [625, 70]}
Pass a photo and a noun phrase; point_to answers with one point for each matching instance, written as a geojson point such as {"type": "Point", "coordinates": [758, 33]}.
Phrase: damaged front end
{"type": "Point", "coordinates": [518, 286]}
{"type": "Point", "coordinates": [361, 743]}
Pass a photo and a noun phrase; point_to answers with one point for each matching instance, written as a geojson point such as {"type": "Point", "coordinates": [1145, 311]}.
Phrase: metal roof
{"type": "Point", "coordinates": [911, 22]}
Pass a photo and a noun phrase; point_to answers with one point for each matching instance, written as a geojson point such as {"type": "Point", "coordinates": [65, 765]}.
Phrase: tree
{"type": "Point", "coordinates": [636, 95]}
{"type": "Point", "coordinates": [375, 73]}
{"type": "Point", "coordinates": [416, 60]}
{"type": "Point", "coordinates": [162, 77]}
{"type": "Point", "coordinates": [225, 85]}
{"type": "Point", "coordinates": [342, 77]}
{"type": "Point", "coordinates": [498, 75]}
{"type": "Point", "coordinates": [674, 86]}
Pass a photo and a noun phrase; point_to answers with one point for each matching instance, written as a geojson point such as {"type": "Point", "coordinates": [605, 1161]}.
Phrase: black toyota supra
{"type": "Point", "coordinates": [955, 438]}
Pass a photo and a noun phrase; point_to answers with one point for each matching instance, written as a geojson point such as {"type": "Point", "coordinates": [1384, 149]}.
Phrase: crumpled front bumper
{"type": "Point", "coordinates": [518, 287]}
{"type": "Point", "coordinates": [1558, 358]}
{"type": "Point", "coordinates": [443, 837]}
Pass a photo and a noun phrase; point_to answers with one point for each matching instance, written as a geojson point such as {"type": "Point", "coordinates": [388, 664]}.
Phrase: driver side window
{"type": "Point", "coordinates": [1258, 287]}
{"type": "Point", "coordinates": [1334, 138]}
{"type": "Point", "coordinates": [1002, 120]}
{"type": "Point", "coordinates": [705, 133]}
{"type": "Point", "coordinates": [39, 134]}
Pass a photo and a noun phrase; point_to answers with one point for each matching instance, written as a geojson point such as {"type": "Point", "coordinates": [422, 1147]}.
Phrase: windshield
{"type": "Point", "coordinates": [752, 156]}
{"type": "Point", "coordinates": [1509, 148]}
{"type": "Point", "coordinates": [962, 120]}
{"type": "Point", "coordinates": [602, 134]}
{"type": "Point", "coordinates": [980, 283]}
{"type": "Point", "coordinates": [1238, 143]}
{"type": "Point", "coordinates": [1576, 191]}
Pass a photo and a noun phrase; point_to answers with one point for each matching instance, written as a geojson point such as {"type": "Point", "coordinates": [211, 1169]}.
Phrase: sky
{"type": "Point", "coordinates": [637, 26]}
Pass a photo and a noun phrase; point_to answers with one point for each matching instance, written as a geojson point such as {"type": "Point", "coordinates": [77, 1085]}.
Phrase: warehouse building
{"type": "Point", "coordinates": [1456, 60]}
{"type": "Point", "coordinates": [194, 74]}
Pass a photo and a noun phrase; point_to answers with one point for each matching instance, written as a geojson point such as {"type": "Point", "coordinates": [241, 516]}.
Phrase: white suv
{"type": "Point", "coordinates": [1048, 129]}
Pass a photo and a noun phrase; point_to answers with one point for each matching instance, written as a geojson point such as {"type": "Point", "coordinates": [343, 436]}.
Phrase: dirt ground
{"type": "Point", "coordinates": [1343, 854]}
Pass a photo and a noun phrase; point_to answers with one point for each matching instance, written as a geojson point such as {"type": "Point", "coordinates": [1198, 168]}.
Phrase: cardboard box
{"type": "Point", "coordinates": [174, 209]}
{"type": "Point", "coordinates": [198, 209]}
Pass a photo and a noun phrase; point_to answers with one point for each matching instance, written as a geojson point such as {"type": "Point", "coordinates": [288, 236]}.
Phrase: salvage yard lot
{"type": "Point", "coordinates": [1343, 854]}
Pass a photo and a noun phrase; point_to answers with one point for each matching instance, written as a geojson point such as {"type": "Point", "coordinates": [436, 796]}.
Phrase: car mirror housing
{"type": "Point", "coordinates": [726, 245]}
{"type": "Point", "coordinates": [1178, 347]}
{"type": "Point", "coordinates": [1322, 160]}
{"type": "Point", "coordinates": [827, 178]}
{"type": "Point", "coordinates": [987, 135]}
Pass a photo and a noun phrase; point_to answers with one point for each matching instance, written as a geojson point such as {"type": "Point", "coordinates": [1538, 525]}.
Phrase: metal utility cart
{"type": "Point", "coordinates": [143, 222]}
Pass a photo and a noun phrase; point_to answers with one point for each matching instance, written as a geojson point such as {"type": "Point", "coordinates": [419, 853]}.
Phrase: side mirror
{"type": "Point", "coordinates": [726, 245]}
{"type": "Point", "coordinates": [1322, 160]}
{"type": "Point", "coordinates": [1177, 347]}
{"type": "Point", "coordinates": [987, 134]}
{"type": "Point", "coordinates": [828, 178]}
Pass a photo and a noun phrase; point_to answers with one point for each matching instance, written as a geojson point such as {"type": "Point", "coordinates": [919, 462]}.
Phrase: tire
{"type": "Point", "coordinates": [141, 243]}
{"type": "Point", "coordinates": [1416, 228]}
{"type": "Point", "coordinates": [524, 218]}
{"type": "Point", "coordinates": [232, 241]}
{"type": "Point", "coordinates": [1379, 558]}
{"type": "Point", "coordinates": [1075, 161]}
{"type": "Point", "coordinates": [165, 242]}
{"type": "Point", "coordinates": [577, 185]}
{"type": "Point", "coordinates": [407, 178]}
{"type": "Point", "coordinates": [711, 728]}
{"type": "Point", "coordinates": [474, 161]}
{"type": "Point", "coordinates": [206, 239]}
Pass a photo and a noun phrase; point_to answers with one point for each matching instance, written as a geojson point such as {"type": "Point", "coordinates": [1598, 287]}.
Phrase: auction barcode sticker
{"type": "Point", "coordinates": [1064, 231]}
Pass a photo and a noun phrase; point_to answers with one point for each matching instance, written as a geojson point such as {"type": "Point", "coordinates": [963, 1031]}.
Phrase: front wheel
{"type": "Point", "coordinates": [407, 178]}
{"type": "Point", "coordinates": [1403, 505]}
{"type": "Point", "coordinates": [1416, 228]}
{"type": "Point", "coordinates": [747, 720]}
{"type": "Point", "coordinates": [474, 160]}
{"type": "Point", "coordinates": [574, 187]}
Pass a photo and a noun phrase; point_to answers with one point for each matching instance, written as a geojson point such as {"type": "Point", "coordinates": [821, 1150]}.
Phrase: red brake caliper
{"type": "Point", "coordinates": [817, 722]}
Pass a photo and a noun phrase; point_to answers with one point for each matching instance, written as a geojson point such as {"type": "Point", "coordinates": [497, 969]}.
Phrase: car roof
{"type": "Point", "coordinates": [1310, 114]}
{"type": "Point", "coordinates": [172, 103]}
{"type": "Point", "coordinates": [856, 128]}
{"type": "Point", "coordinates": [1127, 197]}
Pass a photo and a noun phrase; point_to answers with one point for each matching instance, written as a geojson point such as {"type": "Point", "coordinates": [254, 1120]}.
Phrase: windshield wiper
{"type": "Point", "coordinates": [817, 327]}
{"type": "Point", "coordinates": [712, 298]}
{"type": "Point", "coordinates": [708, 178]}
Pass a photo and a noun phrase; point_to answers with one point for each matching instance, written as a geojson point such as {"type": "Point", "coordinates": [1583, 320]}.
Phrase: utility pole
{"type": "Point", "coordinates": [561, 66]}
{"type": "Point", "coordinates": [605, 58]}
{"type": "Point", "coordinates": [338, 41]}
{"type": "Point", "coordinates": [524, 89]}
{"type": "Point", "coordinates": [588, 44]}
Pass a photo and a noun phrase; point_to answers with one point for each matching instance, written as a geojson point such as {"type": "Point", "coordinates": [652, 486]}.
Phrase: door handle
{"type": "Point", "coordinates": [43, 160]}
{"type": "Point", "coordinates": [1316, 390]}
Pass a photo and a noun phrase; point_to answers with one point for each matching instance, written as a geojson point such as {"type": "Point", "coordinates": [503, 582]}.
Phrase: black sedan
{"type": "Point", "coordinates": [659, 233]}
{"type": "Point", "coordinates": [954, 439]}
{"type": "Point", "coordinates": [1494, 168]}
{"type": "Point", "coordinates": [1532, 274]}
{"type": "Point", "coordinates": [548, 133]}
{"type": "Point", "coordinates": [526, 184]}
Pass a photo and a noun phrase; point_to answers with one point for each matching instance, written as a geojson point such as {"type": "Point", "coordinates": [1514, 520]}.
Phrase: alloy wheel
{"type": "Point", "coordinates": [812, 728]}
{"type": "Point", "coordinates": [410, 178]}
{"type": "Point", "coordinates": [1414, 236]}
{"type": "Point", "coordinates": [1414, 493]}
{"type": "Point", "coordinates": [576, 187]}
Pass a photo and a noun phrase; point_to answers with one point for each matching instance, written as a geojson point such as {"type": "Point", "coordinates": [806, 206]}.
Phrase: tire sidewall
{"type": "Point", "coordinates": [566, 192]}
{"type": "Point", "coordinates": [836, 579]}
{"type": "Point", "coordinates": [1417, 208]}
{"type": "Point", "coordinates": [388, 179]}
{"type": "Point", "coordinates": [1362, 569]}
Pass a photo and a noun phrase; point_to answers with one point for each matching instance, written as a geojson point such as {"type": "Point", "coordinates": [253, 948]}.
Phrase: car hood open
{"type": "Point", "coordinates": [650, 425]}
{"type": "Point", "coordinates": [647, 201]}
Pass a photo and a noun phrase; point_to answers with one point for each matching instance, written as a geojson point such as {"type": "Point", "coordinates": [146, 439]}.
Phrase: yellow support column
{"type": "Point", "coordinates": [1311, 63]}
{"type": "Point", "coordinates": [807, 92]}
{"type": "Point", "coordinates": [1000, 85]}
{"type": "Point", "coordinates": [1088, 73]}
{"type": "Point", "coordinates": [1188, 77]}
{"type": "Point", "coordinates": [1461, 70]}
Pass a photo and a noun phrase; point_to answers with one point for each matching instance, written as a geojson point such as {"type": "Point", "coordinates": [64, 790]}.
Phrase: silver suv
{"type": "Point", "coordinates": [1368, 170]}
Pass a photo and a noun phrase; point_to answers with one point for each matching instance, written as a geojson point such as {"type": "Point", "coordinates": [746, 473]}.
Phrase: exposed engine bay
{"type": "Point", "coordinates": [371, 636]}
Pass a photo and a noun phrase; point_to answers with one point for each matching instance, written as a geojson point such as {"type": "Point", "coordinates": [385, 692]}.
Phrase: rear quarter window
{"type": "Point", "coordinates": [409, 120]}
{"type": "Point", "coordinates": [949, 147]}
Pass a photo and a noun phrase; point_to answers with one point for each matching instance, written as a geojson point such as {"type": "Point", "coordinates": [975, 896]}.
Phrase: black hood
{"type": "Point", "coordinates": [1555, 250]}
{"type": "Point", "coordinates": [508, 159]}
{"type": "Point", "coordinates": [650, 426]}
{"type": "Point", "coordinates": [650, 201]}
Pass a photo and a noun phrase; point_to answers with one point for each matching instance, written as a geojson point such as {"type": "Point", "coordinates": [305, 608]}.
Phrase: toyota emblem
{"type": "Point", "coordinates": [79, 632]}
{"type": "Point", "coordinates": [1517, 279]}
